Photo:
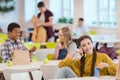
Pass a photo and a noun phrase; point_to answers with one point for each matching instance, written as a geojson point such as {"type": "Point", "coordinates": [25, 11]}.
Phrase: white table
{"type": "Point", "coordinates": [29, 66]}
{"type": "Point", "coordinates": [49, 70]}
{"type": "Point", "coordinates": [90, 78]}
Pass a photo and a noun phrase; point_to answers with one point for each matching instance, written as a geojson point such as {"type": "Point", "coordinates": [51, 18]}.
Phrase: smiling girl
{"type": "Point", "coordinates": [85, 66]}
{"type": "Point", "coordinates": [65, 46]}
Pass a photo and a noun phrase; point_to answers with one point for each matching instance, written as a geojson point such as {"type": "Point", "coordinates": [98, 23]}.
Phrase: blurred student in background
{"type": "Point", "coordinates": [65, 46]}
{"type": "Point", "coordinates": [46, 18]}
{"type": "Point", "coordinates": [80, 29]}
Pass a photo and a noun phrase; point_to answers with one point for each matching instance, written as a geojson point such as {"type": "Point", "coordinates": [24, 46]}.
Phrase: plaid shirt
{"type": "Point", "coordinates": [9, 46]}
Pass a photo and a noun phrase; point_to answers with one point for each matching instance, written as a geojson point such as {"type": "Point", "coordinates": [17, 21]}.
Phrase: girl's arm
{"type": "Point", "coordinates": [58, 47]}
{"type": "Point", "coordinates": [112, 66]}
{"type": "Point", "coordinates": [108, 64]}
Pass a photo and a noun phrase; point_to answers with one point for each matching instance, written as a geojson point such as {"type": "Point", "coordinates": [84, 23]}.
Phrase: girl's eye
{"type": "Point", "coordinates": [89, 43]}
{"type": "Point", "coordinates": [83, 45]}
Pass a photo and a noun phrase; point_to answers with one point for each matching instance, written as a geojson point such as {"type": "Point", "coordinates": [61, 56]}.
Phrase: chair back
{"type": "Point", "coordinates": [50, 56]}
{"type": "Point", "coordinates": [50, 45]}
{"type": "Point", "coordinates": [7, 72]}
{"type": "Point", "coordinates": [20, 76]}
{"type": "Point", "coordinates": [3, 38]}
{"type": "Point", "coordinates": [42, 53]}
{"type": "Point", "coordinates": [33, 75]}
{"type": "Point", "coordinates": [49, 71]}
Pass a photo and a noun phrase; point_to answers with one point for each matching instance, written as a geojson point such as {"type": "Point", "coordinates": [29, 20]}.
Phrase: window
{"type": "Point", "coordinates": [62, 8]}
{"type": "Point", "coordinates": [30, 8]}
{"type": "Point", "coordinates": [100, 13]}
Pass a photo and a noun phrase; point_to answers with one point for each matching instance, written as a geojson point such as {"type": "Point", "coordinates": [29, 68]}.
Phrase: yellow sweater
{"type": "Point", "coordinates": [101, 57]}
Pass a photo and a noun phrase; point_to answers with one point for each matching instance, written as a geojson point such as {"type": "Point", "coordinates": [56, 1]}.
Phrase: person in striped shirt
{"type": "Point", "coordinates": [13, 42]}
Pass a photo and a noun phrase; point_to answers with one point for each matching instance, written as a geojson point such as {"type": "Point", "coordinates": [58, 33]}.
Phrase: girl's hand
{"type": "Point", "coordinates": [77, 57]}
{"type": "Point", "coordinates": [78, 54]}
{"type": "Point", "coordinates": [59, 45]}
{"type": "Point", "coordinates": [80, 51]}
{"type": "Point", "coordinates": [102, 65]}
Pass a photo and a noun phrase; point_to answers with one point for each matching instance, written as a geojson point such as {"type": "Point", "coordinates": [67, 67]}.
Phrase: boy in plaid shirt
{"type": "Point", "coordinates": [13, 42]}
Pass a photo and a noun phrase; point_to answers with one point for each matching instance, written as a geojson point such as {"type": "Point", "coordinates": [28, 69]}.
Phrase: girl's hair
{"type": "Point", "coordinates": [67, 35]}
{"type": "Point", "coordinates": [82, 61]}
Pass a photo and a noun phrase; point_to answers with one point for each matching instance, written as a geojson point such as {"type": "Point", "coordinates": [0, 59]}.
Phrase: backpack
{"type": "Point", "coordinates": [39, 34]}
{"type": "Point", "coordinates": [110, 51]}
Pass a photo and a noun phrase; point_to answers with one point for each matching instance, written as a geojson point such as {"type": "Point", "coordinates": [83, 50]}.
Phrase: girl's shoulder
{"type": "Point", "coordinates": [101, 54]}
{"type": "Point", "coordinates": [71, 43]}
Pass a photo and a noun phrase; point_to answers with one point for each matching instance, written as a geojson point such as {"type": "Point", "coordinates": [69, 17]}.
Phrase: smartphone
{"type": "Point", "coordinates": [80, 48]}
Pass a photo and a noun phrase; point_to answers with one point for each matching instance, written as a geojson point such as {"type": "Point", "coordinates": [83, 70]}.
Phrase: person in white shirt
{"type": "Point", "coordinates": [80, 29]}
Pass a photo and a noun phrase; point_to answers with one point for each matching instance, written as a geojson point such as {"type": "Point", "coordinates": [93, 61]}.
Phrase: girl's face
{"type": "Point", "coordinates": [87, 46]}
{"type": "Point", "coordinates": [60, 35]}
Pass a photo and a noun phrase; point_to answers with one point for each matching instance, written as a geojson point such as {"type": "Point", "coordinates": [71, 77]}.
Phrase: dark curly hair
{"type": "Point", "coordinates": [12, 25]}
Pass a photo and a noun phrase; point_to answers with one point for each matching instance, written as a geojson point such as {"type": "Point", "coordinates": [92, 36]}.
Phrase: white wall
{"type": "Point", "coordinates": [9, 17]}
{"type": "Point", "coordinates": [110, 31]}
{"type": "Point", "coordinates": [78, 10]}
{"type": "Point", "coordinates": [118, 18]}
